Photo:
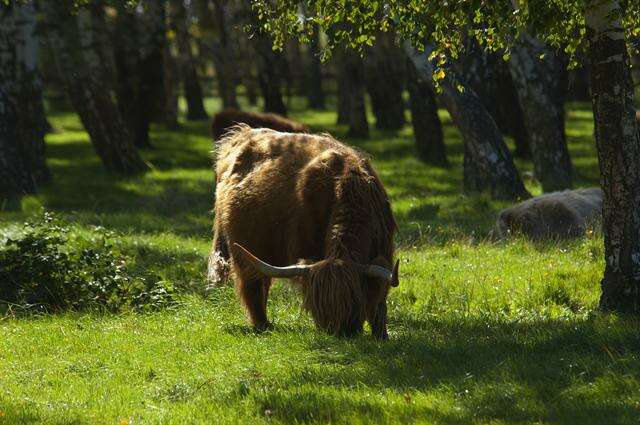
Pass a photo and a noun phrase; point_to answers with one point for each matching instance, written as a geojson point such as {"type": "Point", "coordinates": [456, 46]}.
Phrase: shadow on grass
{"type": "Point", "coordinates": [515, 372]}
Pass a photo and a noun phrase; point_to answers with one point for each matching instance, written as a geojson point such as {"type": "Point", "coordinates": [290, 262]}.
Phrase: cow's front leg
{"type": "Point", "coordinates": [378, 322]}
{"type": "Point", "coordinates": [254, 293]}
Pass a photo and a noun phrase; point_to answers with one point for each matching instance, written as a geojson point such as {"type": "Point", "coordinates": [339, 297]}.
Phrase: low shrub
{"type": "Point", "coordinates": [48, 269]}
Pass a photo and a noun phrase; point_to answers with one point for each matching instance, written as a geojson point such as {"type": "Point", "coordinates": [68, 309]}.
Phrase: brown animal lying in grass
{"type": "Point", "coordinates": [563, 214]}
{"type": "Point", "coordinates": [226, 119]}
{"type": "Point", "coordinates": [316, 209]}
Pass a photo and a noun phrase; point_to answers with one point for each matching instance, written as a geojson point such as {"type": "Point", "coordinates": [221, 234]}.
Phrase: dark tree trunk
{"type": "Point", "coordinates": [247, 64]}
{"type": "Point", "coordinates": [342, 97]}
{"type": "Point", "coordinates": [251, 86]}
{"type": "Point", "coordinates": [188, 71]}
{"type": "Point", "coordinates": [488, 75]}
{"type": "Point", "coordinates": [315, 93]}
{"type": "Point", "coordinates": [271, 67]}
{"type": "Point", "coordinates": [74, 45]}
{"type": "Point", "coordinates": [152, 47]}
{"type": "Point", "coordinates": [103, 43]}
{"type": "Point", "coordinates": [635, 62]}
{"type": "Point", "coordinates": [353, 74]}
{"type": "Point", "coordinates": [384, 71]}
{"type": "Point", "coordinates": [15, 177]}
{"type": "Point", "coordinates": [488, 162]}
{"type": "Point", "coordinates": [222, 50]}
{"type": "Point", "coordinates": [130, 93]}
{"type": "Point", "coordinates": [170, 75]}
{"type": "Point", "coordinates": [427, 128]}
{"type": "Point", "coordinates": [32, 121]}
{"type": "Point", "coordinates": [542, 102]}
{"type": "Point", "coordinates": [225, 79]}
{"type": "Point", "coordinates": [293, 80]}
{"type": "Point", "coordinates": [578, 89]}
{"type": "Point", "coordinates": [618, 155]}
{"type": "Point", "coordinates": [193, 95]}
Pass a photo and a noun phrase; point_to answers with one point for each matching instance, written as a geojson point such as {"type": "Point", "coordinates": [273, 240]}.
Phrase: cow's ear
{"type": "Point", "coordinates": [383, 262]}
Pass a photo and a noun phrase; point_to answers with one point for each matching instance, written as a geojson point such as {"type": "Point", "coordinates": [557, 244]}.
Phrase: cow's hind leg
{"type": "Point", "coordinates": [218, 266]}
{"type": "Point", "coordinates": [254, 292]}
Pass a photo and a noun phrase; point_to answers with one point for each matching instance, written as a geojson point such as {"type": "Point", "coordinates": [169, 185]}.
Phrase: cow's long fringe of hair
{"type": "Point", "coordinates": [227, 119]}
{"type": "Point", "coordinates": [361, 226]}
{"type": "Point", "coordinates": [334, 297]}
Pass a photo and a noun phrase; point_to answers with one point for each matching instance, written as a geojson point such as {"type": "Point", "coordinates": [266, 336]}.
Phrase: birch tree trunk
{"type": "Point", "coordinates": [73, 41]}
{"type": "Point", "coordinates": [187, 68]}
{"type": "Point", "coordinates": [384, 72]}
{"type": "Point", "coordinates": [618, 145]}
{"type": "Point", "coordinates": [542, 104]}
{"type": "Point", "coordinates": [488, 165]}
{"type": "Point", "coordinates": [427, 128]}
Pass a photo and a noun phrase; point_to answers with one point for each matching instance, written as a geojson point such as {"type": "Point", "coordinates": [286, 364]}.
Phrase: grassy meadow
{"type": "Point", "coordinates": [481, 331]}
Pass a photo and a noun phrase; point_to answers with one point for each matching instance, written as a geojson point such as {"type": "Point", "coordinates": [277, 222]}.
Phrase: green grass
{"type": "Point", "coordinates": [480, 331]}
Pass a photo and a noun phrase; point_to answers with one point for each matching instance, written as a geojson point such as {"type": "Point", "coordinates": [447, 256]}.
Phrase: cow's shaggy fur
{"type": "Point", "coordinates": [300, 198]}
{"type": "Point", "coordinates": [563, 214]}
{"type": "Point", "coordinates": [227, 119]}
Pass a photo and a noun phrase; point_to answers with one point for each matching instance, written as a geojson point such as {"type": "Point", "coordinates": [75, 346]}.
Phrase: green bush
{"type": "Point", "coordinates": [46, 268]}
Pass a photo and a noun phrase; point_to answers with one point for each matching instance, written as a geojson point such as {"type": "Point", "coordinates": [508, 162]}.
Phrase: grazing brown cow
{"type": "Point", "coordinates": [316, 209]}
{"type": "Point", "coordinates": [563, 214]}
{"type": "Point", "coordinates": [228, 118]}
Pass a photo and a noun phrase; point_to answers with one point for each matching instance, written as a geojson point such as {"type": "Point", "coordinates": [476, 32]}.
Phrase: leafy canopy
{"type": "Point", "coordinates": [495, 24]}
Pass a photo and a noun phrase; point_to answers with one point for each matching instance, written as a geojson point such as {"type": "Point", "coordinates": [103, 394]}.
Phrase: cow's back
{"type": "Point", "coordinates": [275, 190]}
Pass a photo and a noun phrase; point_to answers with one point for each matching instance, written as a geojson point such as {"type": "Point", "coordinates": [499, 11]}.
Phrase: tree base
{"type": "Point", "coordinates": [619, 296]}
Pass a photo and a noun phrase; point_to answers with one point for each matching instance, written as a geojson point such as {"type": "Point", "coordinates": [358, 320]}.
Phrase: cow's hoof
{"type": "Point", "coordinates": [263, 327]}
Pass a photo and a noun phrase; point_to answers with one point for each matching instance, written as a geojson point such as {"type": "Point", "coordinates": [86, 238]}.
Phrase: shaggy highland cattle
{"type": "Point", "coordinates": [228, 118]}
{"type": "Point", "coordinates": [307, 208]}
{"type": "Point", "coordinates": [565, 214]}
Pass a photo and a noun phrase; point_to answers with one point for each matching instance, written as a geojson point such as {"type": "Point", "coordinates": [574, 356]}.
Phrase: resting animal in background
{"type": "Point", "coordinates": [226, 119]}
{"type": "Point", "coordinates": [308, 208]}
{"type": "Point", "coordinates": [563, 214]}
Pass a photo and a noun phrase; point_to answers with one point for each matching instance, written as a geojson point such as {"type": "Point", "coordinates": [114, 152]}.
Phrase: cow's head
{"type": "Point", "coordinates": [339, 294]}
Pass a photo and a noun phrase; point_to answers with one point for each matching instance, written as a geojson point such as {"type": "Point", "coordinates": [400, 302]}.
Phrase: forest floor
{"type": "Point", "coordinates": [480, 331]}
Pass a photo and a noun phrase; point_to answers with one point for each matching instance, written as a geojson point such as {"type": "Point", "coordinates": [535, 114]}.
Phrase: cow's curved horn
{"type": "Point", "coordinates": [384, 273]}
{"type": "Point", "coordinates": [269, 270]}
